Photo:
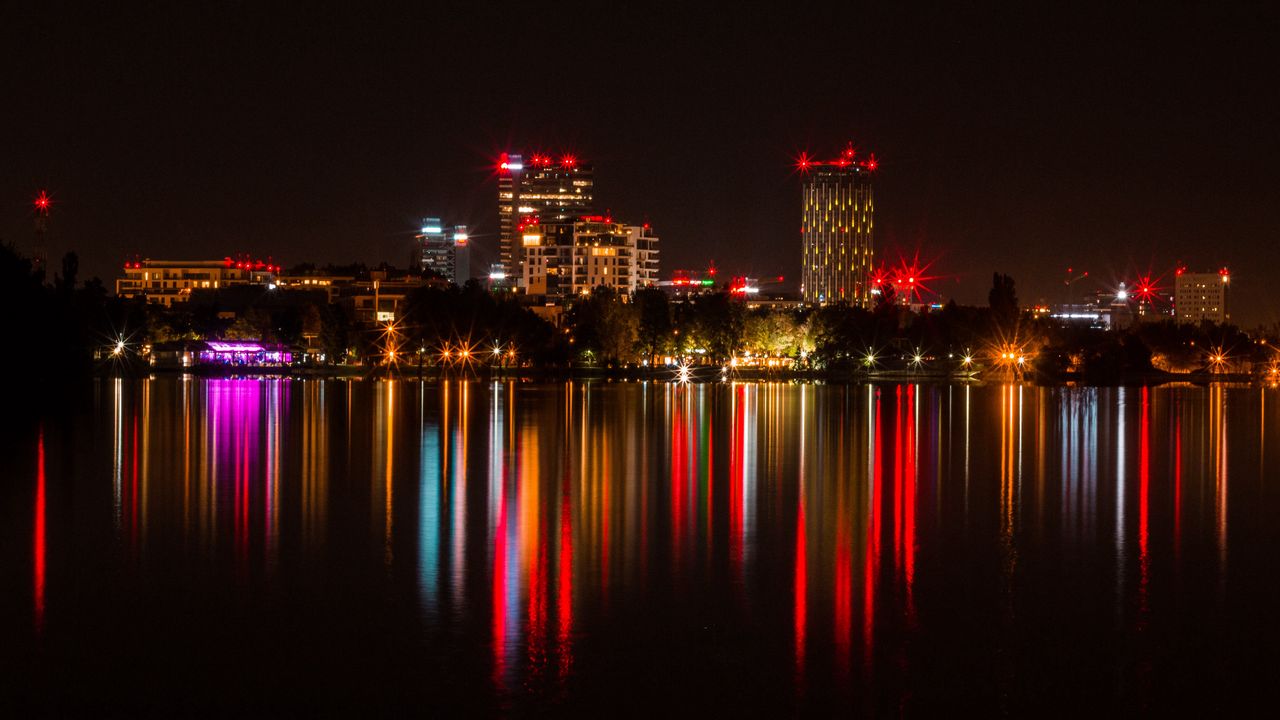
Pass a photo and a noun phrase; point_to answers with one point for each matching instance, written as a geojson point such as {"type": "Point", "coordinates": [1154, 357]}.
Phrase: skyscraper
{"type": "Point", "coordinates": [836, 229]}
{"type": "Point", "coordinates": [510, 169]}
{"type": "Point", "coordinates": [433, 249]}
{"type": "Point", "coordinates": [444, 252]}
{"type": "Point", "coordinates": [542, 190]}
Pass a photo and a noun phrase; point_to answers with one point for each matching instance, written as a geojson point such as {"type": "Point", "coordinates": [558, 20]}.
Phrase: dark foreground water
{"type": "Point", "coordinates": [179, 546]}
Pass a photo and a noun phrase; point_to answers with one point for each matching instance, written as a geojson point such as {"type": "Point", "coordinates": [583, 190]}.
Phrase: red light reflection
{"type": "Point", "coordinates": [39, 534]}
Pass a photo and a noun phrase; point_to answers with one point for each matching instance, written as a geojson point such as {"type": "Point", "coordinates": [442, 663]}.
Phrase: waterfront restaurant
{"type": "Point", "coordinates": [223, 353]}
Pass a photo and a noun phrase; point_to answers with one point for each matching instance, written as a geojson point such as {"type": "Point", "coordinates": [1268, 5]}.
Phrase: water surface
{"type": "Point", "coordinates": [184, 544]}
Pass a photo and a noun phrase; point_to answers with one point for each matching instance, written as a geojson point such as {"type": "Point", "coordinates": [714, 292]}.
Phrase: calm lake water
{"type": "Point", "coordinates": [175, 546]}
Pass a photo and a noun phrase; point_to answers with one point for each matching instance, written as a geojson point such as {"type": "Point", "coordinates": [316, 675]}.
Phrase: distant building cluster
{"type": "Point", "coordinates": [1196, 297]}
{"type": "Point", "coordinates": [553, 242]}
{"type": "Point", "coordinates": [370, 295]}
{"type": "Point", "coordinates": [166, 282]}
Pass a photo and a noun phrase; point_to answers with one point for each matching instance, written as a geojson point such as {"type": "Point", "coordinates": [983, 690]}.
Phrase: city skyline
{"type": "Point", "coordinates": [1003, 151]}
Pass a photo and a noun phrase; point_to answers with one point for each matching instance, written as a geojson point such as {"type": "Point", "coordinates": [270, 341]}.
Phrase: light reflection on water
{"type": "Point", "coordinates": [872, 547]}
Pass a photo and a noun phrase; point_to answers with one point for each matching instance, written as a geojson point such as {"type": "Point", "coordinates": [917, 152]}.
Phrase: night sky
{"type": "Point", "coordinates": [1018, 139]}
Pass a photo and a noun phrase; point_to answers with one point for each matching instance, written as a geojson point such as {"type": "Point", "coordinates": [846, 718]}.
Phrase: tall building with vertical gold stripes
{"type": "Point", "coordinates": [837, 229]}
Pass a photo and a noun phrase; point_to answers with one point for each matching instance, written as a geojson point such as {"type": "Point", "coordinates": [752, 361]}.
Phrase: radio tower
{"type": "Point", "coordinates": [39, 254]}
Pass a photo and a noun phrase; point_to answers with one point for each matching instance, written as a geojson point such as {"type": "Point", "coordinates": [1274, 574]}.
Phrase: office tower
{"type": "Point", "coordinates": [837, 229]}
{"type": "Point", "coordinates": [1201, 296]}
{"type": "Point", "coordinates": [433, 249]}
{"type": "Point", "coordinates": [543, 189]}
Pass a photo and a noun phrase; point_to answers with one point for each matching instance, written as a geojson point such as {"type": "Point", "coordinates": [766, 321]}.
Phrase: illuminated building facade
{"type": "Point", "coordinates": [433, 249]}
{"type": "Point", "coordinates": [1201, 296]}
{"type": "Point", "coordinates": [646, 245]}
{"type": "Point", "coordinates": [563, 259]}
{"type": "Point", "coordinates": [837, 229]}
{"type": "Point", "coordinates": [166, 282]}
{"type": "Point", "coordinates": [510, 170]}
{"type": "Point", "coordinates": [539, 189]}
{"type": "Point", "coordinates": [442, 250]}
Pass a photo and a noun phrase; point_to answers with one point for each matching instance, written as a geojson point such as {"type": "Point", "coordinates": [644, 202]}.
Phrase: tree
{"type": "Point", "coordinates": [654, 329]}
{"type": "Point", "coordinates": [717, 325]}
{"type": "Point", "coordinates": [604, 325]}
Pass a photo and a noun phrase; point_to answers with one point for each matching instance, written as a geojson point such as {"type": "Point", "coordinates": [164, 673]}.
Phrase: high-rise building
{"type": "Point", "coordinates": [443, 251]}
{"type": "Point", "coordinates": [837, 229]}
{"type": "Point", "coordinates": [540, 190]}
{"type": "Point", "coordinates": [461, 255]}
{"type": "Point", "coordinates": [573, 257]}
{"type": "Point", "coordinates": [1201, 296]}
{"type": "Point", "coordinates": [510, 170]}
{"type": "Point", "coordinates": [433, 249]}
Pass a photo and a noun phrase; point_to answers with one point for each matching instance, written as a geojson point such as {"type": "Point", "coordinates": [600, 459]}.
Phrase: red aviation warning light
{"type": "Point", "coordinates": [43, 202]}
{"type": "Point", "coordinates": [848, 158]}
{"type": "Point", "coordinates": [568, 162]}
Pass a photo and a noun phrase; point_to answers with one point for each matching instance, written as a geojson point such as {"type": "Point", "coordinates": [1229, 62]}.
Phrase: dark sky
{"type": "Point", "coordinates": [1018, 139]}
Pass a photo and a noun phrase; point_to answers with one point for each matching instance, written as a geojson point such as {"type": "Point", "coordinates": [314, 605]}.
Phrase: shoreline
{"type": "Point", "coordinates": [695, 375]}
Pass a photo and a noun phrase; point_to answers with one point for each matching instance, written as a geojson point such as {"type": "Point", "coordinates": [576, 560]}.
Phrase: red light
{"type": "Point", "coordinates": [849, 152]}
{"type": "Point", "coordinates": [871, 163]}
{"type": "Point", "coordinates": [43, 202]}
{"type": "Point", "coordinates": [803, 162]}
{"type": "Point", "coordinates": [568, 161]}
